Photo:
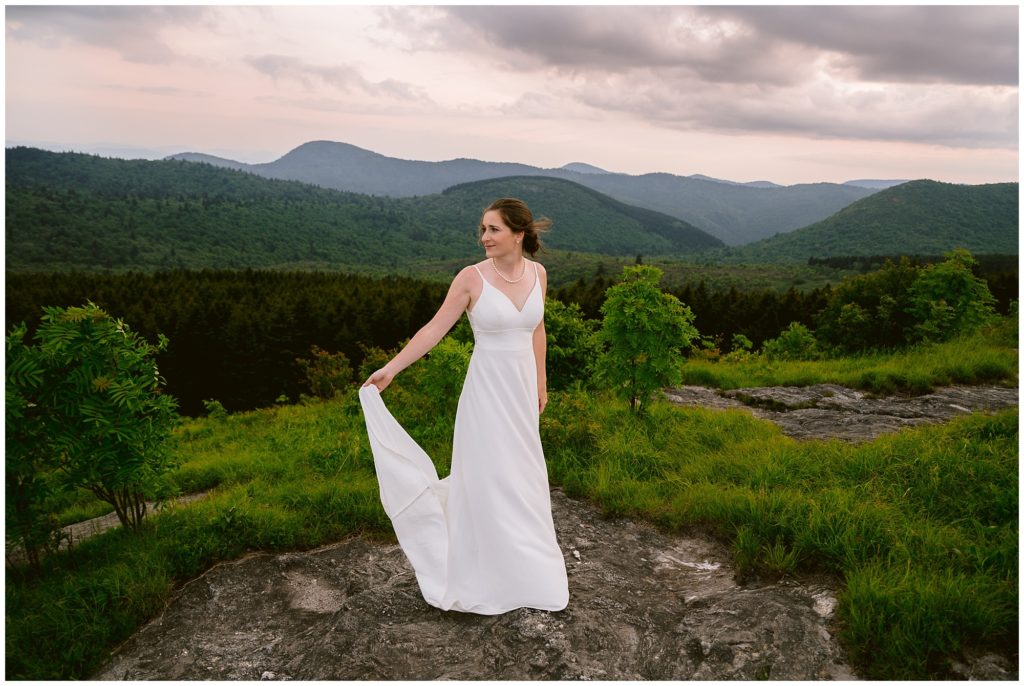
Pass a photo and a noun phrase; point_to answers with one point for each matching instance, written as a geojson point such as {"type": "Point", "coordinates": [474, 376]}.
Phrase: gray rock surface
{"type": "Point", "coordinates": [833, 411]}
{"type": "Point", "coordinates": [643, 605]}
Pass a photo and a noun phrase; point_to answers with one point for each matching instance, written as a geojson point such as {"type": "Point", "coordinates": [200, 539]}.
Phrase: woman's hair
{"type": "Point", "coordinates": [517, 216]}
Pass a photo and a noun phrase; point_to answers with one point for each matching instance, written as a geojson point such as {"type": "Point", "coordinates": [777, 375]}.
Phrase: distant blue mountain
{"type": "Point", "coordinates": [584, 168]}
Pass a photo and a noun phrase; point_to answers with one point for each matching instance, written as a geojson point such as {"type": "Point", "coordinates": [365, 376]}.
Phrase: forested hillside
{"type": "Point", "coordinates": [74, 211]}
{"type": "Point", "coordinates": [919, 217]}
{"type": "Point", "coordinates": [735, 213]}
{"type": "Point", "coordinates": [647, 232]}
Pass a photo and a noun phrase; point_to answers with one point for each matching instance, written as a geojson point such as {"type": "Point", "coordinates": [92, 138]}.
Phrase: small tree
{"type": "Point", "coordinates": [107, 418]}
{"type": "Point", "coordinates": [947, 299]}
{"type": "Point", "coordinates": [797, 342]}
{"type": "Point", "coordinates": [645, 331]}
{"type": "Point", "coordinates": [741, 347]}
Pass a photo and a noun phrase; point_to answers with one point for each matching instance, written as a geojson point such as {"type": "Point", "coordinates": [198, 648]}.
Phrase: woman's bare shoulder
{"type": "Point", "coordinates": [468, 275]}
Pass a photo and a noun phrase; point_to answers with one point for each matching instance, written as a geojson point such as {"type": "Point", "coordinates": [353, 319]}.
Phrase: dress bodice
{"type": "Point", "coordinates": [498, 324]}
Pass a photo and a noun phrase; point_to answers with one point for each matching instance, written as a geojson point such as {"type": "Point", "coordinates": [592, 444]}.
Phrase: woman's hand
{"type": "Point", "coordinates": [542, 399]}
{"type": "Point", "coordinates": [380, 378]}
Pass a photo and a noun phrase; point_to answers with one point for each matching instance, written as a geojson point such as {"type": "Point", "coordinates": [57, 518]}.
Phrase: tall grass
{"type": "Point", "coordinates": [984, 357]}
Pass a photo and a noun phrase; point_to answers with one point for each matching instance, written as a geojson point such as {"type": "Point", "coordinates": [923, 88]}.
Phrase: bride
{"type": "Point", "coordinates": [482, 539]}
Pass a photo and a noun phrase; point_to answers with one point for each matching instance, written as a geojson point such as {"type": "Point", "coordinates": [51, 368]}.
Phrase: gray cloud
{"type": "Point", "coordinates": [343, 77]}
{"type": "Point", "coordinates": [134, 32]}
{"type": "Point", "coordinates": [940, 75]}
{"type": "Point", "coordinates": [937, 44]}
{"type": "Point", "coordinates": [931, 114]}
{"type": "Point", "coordinates": [582, 40]}
{"type": "Point", "coordinates": [909, 44]}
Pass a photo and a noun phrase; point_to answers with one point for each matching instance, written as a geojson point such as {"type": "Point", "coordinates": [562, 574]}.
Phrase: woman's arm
{"type": "Point", "coordinates": [455, 303]}
{"type": "Point", "coordinates": [540, 347]}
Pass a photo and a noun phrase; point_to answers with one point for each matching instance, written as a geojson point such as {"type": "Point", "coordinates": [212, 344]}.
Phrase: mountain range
{"type": "Point", "coordinates": [735, 213]}
{"type": "Point", "coordinates": [75, 211]}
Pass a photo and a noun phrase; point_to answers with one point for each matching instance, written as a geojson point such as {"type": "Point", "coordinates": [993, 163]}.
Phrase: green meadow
{"type": "Point", "coordinates": [984, 358]}
{"type": "Point", "coordinates": [921, 527]}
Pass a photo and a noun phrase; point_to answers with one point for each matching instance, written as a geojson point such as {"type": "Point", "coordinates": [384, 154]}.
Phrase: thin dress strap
{"type": "Point", "coordinates": [468, 311]}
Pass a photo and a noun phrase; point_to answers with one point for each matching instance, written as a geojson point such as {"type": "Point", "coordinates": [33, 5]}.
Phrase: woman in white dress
{"type": "Point", "coordinates": [482, 539]}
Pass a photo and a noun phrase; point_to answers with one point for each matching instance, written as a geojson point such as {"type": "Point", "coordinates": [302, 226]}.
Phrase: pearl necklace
{"type": "Point", "coordinates": [505, 277]}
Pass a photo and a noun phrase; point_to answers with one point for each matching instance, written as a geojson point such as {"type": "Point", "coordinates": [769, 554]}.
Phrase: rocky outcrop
{"type": "Point", "coordinates": [643, 605]}
{"type": "Point", "coordinates": [833, 411]}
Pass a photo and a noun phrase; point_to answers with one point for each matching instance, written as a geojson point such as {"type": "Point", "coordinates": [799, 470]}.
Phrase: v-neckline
{"type": "Point", "coordinates": [536, 278]}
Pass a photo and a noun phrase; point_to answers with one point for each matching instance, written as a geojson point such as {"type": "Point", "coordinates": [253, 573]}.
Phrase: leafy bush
{"type": "Point", "coordinates": [870, 311]}
{"type": "Point", "coordinates": [88, 402]}
{"type": "Point", "coordinates": [902, 304]}
{"type": "Point", "coordinates": [572, 345]}
{"type": "Point", "coordinates": [741, 347]}
{"type": "Point", "coordinates": [326, 374]}
{"type": "Point", "coordinates": [947, 299]}
{"type": "Point", "coordinates": [797, 342]}
{"type": "Point", "coordinates": [215, 409]}
{"type": "Point", "coordinates": [645, 331]}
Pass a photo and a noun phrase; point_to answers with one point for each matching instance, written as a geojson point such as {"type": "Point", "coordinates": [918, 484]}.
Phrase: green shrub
{"type": "Point", "coordinates": [573, 347]}
{"type": "Point", "coordinates": [948, 300]}
{"type": "Point", "coordinates": [741, 347]}
{"type": "Point", "coordinates": [902, 304]}
{"type": "Point", "coordinates": [215, 409]}
{"type": "Point", "coordinates": [871, 310]}
{"type": "Point", "coordinates": [326, 374]}
{"type": "Point", "coordinates": [645, 331]}
{"type": "Point", "coordinates": [797, 342]}
{"type": "Point", "coordinates": [444, 373]}
{"type": "Point", "coordinates": [86, 404]}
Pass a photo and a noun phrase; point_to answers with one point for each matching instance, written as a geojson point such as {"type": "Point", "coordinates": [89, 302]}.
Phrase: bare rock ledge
{"type": "Point", "coordinates": [643, 605]}
{"type": "Point", "coordinates": [831, 411]}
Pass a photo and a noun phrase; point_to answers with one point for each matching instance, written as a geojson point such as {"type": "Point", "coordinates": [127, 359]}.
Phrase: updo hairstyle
{"type": "Point", "coordinates": [517, 216]}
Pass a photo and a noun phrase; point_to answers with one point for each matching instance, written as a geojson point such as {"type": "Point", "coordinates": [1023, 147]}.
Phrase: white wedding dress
{"type": "Point", "coordinates": [482, 539]}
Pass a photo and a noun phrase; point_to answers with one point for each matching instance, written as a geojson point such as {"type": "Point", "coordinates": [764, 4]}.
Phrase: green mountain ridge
{"type": "Point", "coordinates": [917, 217]}
{"type": "Point", "coordinates": [76, 211]}
{"type": "Point", "coordinates": [735, 213]}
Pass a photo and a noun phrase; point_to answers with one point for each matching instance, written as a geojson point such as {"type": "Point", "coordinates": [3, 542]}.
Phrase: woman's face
{"type": "Point", "coordinates": [497, 238]}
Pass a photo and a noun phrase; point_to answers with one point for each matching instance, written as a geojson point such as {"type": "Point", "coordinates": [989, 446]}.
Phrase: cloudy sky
{"type": "Point", "coordinates": [788, 94]}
